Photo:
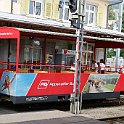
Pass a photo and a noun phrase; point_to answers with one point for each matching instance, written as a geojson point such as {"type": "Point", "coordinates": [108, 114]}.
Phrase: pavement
{"type": "Point", "coordinates": [46, 117]}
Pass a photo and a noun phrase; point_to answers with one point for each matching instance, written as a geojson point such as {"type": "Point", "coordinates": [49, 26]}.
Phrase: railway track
{"type": "Point", "coordinates": [102, 103]}
{"type": "Point", "coordinates": [106, 103]}
{"type": "Point", "coordinates": [119, 120]}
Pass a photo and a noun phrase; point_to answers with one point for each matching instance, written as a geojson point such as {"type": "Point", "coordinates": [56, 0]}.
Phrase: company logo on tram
{"type": "Point", "coordinates": [43, 84]}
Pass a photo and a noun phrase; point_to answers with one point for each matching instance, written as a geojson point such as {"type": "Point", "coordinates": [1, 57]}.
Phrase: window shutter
{"type": "Point", "coordinates": [48, 8]}
{"type": "Point", "coordinates": [55, 9]}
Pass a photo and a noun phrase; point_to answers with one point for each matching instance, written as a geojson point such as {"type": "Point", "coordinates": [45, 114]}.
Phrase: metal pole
{"type": "Point", "coordinates": [76, 97]}
{"type": "Point", "coordinates": [11, 6]}
{"type": "Point", "coordinates": [119, 29]}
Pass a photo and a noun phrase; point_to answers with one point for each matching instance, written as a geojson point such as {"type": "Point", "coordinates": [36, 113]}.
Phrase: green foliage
{"type": "Point", "coordinates": [111, 13]}
{"type": "Point", "coordinates": [122, 53]}
{"type": "Point", "coordinates": [110, 86]}
{"type": "Point", "coordinates": [86, 88]}
{"type": "Point", "coordinates": [110, 53]}
{"type": "Point", "coordinates": [123, 21]}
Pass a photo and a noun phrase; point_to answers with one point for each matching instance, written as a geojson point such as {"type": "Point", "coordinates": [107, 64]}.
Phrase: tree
{"type": "Point", "coordinates": [111, 13]}
{"type": "Point", "coordinates": [122, 53]}
{"type": "Point", "coordinates": [123, 21]}
{"type": "Point", "coordinates": [110, 53]}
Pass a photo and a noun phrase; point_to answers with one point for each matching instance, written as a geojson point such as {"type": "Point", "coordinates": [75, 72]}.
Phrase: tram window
{"type": "Point", "coordinates": [69, 46]}
{"type": "Point", "coordinates": [33, 55]}
{"type": "Point", "coordinates": [26, 54]}
{"type": "Point", "coordinates": [8, 48]}
{"type": "Point", "coordinates": [84, 58]}
{"type": "Point", "coordinates": [70, 60]}
{"type": "Point", "coordinates": [88, 49]}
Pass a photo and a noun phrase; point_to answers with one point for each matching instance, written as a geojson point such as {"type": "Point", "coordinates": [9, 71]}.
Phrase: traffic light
{"type": "Point", "coordinates": [75, 23]}
{"type": "Point", "coordinates": [73, 5]}
{"type": "Point", "coordinates": [73, 10]}
{"type": "Point", "coordinates": [60, 3]}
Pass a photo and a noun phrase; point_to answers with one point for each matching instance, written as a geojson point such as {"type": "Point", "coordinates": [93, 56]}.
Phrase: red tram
{"type": "Point", "coordinates": [26, 76]}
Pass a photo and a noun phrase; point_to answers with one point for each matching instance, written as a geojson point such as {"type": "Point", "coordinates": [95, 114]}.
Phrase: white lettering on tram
{"type": "Point", "coordinates": [45, 83]}
{"type": "Point", "coordinates": [36, 98]}
{"type": "Point", "coordinates": [7, 33]}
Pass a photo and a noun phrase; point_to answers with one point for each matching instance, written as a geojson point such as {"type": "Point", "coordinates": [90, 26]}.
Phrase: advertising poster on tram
{"type": "Point", "coordinates": [32, 84]}
{"type": "Point", "coordinates": [15, 84]}
{"type": "Point", "coordinates": [7, 81]}
{"type": "Point", "coordinates": [101, 83]}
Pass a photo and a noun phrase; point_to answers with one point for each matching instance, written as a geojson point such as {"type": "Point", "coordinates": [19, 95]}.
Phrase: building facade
{"type": "Point", "coordinates": [57, 10]}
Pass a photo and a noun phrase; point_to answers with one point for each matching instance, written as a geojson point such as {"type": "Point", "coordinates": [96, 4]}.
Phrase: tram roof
{"type": "Point", "coordinates": [100, 30]}
{"type": "Point", "coordinates": [68, 35]}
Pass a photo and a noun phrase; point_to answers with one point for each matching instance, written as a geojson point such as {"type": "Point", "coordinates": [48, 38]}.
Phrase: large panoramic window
{"type": "Point", "coordinates": [35, 7]}
{"type": "Point", "coordinates": [64, 10]}
{"type": "Point", "coordinates": [90, 14]}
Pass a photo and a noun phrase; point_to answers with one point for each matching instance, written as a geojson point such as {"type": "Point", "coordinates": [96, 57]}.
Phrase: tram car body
{"type": "Point", "coordinates": [33, 84]}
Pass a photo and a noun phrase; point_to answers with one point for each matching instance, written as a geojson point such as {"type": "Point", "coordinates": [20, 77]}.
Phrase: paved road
{"type": "Point", "coordinates": [69, 120]}
{"type": "Point", "coordinates": [46, 117]}
{"type": "Point", "coordinates": [42, 115]}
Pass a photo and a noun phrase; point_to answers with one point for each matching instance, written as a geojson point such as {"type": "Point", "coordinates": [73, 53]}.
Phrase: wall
{"type": "Point", "coordinates": [24, 6]}
{"type": "Point", "coordinates": [5, 6]}
{"type": "Point", "coordinates": [21, 7]}
{"type": "Point", "coordinates": [51, 9]}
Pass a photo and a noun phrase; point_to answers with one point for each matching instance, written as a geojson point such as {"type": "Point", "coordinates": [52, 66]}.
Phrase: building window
{"type": "Point", "coordinates": [64, 10]}
{"type": "Point", "coordinates": [90, 14]}
{"type": "Point", "coordinates": [35, 7]}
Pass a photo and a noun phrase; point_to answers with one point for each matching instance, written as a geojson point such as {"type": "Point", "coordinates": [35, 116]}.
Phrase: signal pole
{"type": "Point", "coordinates": [76, 96]}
